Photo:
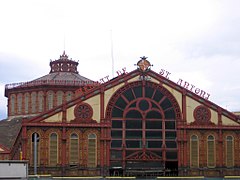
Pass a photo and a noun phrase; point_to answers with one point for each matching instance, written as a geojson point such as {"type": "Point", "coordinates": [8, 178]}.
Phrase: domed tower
{"type": "Point", "coordinates": [44, 93]}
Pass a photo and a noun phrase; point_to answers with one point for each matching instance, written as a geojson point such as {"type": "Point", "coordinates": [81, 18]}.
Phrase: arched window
{"type": "Point", "coordinates": [144, 126]}
{"type": "Point", "coordinates": [92, 147]}
{"type": "Point", "coordinates": [73, 149]}
{"type": "Point", "coordinates": [19, 103]}
{"type": "Point", "coordinates": [26, 102]}
{"type": "Point", "coordinates": [37, 149]}
{"type": "Point", "coordinates": [53, 149]}
{"type": "Point", "coordinates": [211, 151]}
{"type": "Point", "coordinates": [13, 101]}
{"type": "Point", "coordinates": [59, 98]}
{"type": "Point", "coordinates": [50, 96]}
{"type": "Point", "coordinates": [40, 101]}
{"type": "Point", "coordinates": [194, 151]}
{"type": "Point", "coordinates": [69, 96]}
{"type": "Point", "coordinates": [33, 101]}
{"type": "Point", "coordinates": [229, 151]}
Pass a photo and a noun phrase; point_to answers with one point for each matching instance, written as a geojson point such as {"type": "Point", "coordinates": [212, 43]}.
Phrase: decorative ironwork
{"type": "Point", "coordinates": [83, 111]}
{"type": "Point", "coordinates": [50, 82]}
{"type": "Point", "coordinates": [143, 64]}
{"type": "Point", "coordinates": [83, 114]}
{"type": "Point", "coordinates": [63, 64]}
{"type": "Point", "coordinates": [143, 155]}
{"type": "Point", "coordinates": [202, 116]}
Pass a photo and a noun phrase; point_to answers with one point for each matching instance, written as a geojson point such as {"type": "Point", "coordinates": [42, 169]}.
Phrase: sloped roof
{"type": "Point", "coordinates": [63, 73]}
{"type": "Point", "coordinates": [125, 77]}
{"type": "Point", "coordinates": [9, 131]}
{"type": "Point", "coordinates": [65, 76]}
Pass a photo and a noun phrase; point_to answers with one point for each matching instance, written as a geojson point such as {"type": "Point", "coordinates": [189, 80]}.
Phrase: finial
{"type": "Point", "coordinates": [143, 64]}
{"type": "Point", "coordinates": [144, 58]}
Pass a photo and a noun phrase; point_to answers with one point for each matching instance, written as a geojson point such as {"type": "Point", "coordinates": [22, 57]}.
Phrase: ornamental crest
{"type": "Point", "coordinates": [143, 64]}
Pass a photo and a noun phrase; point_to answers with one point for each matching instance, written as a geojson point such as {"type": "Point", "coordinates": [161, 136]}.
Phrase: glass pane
{"type": "Point", "coordinates": [154, 105]}
{"type": "Point", "coordinates": [166, 104]}
{"type": "Point", "coordinates": [170, 114]}
{"type": "Point", "coordinates": [154, 115]}
{"type": "Point", "coordinates": [149, 92]}
{"type": "Point", "coordinates": [74, 136]}
{"type": "Point", "coordinates": [116, 154]}
{"type": "Point", "coordinates": [133, 124]}
{"type": "Point", "coordinates": [116, 143]}
{"type": "Point", "coordinates": [171, 155]}
{"type": "Point", "coordinates": [133, 134]}
{"type": "Point", "coordinates": [158, 96]}
{"type": "Point", "coordinates": [116, 124]}
{"type": "Point", "coordinates": [171, 144]}
{"type": "Point", "coordinates": [194, 138]}
{"type": "Point", "coordinates": [129, 95]}
{"type": "Point", "coordinates": [138, 91]}
{"type": "Point", "coordinates": [134, 144]}
{"type": "Point", "coordinates": [154, 144]}
{"type": "Point", "coordinates": [133, 105]}
{"type": "Point", "coordinates": [116, 134]}
{"type": "Point", "coordinates": [133, 114]}
{"type": "Point", "coordinates": [143, 105]}
{"type": "Point", "coordinates": [154, 134]}
{"type": "Point", "coordinates": [117, 112]}
{"type": "Point", "coordinates": [153, 124]}
{"type": "Point", "coordinates": [121, 103]}
{"type": "Point", "coordinates": [170, 135]}
{"type": "Point", "coordinates": [170, 124]}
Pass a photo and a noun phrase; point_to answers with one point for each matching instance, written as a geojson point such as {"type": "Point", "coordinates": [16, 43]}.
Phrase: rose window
{"type": "Point", "coordinates": [202, 114]}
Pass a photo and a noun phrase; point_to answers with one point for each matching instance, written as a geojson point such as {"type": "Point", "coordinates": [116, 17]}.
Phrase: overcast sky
{"type": "Point", "coordinates": [195, 40]}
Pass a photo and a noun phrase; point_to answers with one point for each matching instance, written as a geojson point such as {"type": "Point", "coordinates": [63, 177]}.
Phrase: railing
{"type": "Point", "coordinates": [51, 82]}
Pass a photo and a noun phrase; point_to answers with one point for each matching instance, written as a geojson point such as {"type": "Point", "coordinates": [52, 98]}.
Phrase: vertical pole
{"type": "Point", "coordinates": [112, 53]}
{"type": "Point", "coordinates": [35, 153]}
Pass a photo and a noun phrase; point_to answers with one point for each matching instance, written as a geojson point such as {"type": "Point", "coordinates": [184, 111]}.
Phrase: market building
{"type": "Point", "coordinates": [139, 123]}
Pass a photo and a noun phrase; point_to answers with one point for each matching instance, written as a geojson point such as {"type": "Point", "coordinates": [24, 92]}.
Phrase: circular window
{"type": "Point", "coordinates": [83, 111]}
{"type": "Point", "coordinates": [202, 114]}
{"type": "Point", "coordinates": [143, 105]}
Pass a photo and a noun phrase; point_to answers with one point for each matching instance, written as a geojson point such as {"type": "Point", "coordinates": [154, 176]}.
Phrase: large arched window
{"type": "Point", "coordinates": [194, 151]}
{"type": "Point", "coordinates": [74, 149]}
{"type": "Point", "coordinates": [50, 96]}
{"type": "Point", "coordinates": [69, 96]}
{"type": "Point", "coordinates": [211, 151]}
{"type": "Point", "coordinates": [26, 102]}
{"type": "Point", "coordinates": [40, 101]}
{"type": "Point", "coordinates": [19, 103]}
{"type": "Point", "coordinates": [92, 148]}
{"type": "Point", "coordinates": [144, 124]}
{"type": "Point", "coordinates": [59, 98]}
{"type": "Point", "coordinates": [229, 151]}
{"type": "Point", "coordinates": [35, 149]}
{"type": "Point", "coordinates": [33, 101]}
{"type": "Point", "coordinates": [53, 149]}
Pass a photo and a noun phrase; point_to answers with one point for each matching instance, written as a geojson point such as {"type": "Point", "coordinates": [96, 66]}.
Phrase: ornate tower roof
{"type": "Point", "coordinates": [63, 64]}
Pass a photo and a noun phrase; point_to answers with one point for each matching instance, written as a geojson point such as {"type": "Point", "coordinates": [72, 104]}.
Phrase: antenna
{"type": "Point", "coordinates": [112, 53]}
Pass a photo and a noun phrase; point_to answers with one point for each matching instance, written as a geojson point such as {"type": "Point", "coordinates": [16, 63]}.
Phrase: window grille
{"type": "Point", "coordinates": [211, 151]}
{"type": "Point", "coordinates": [74, 149]}
{"type": "Point", "coordinates": [53, 151]}
{"type": "Point", "coordinates": [92, 150]}
{"type": "Point", "coordinates": [194, 151]}
{"type": "Point", "coordinates": [229, 151]}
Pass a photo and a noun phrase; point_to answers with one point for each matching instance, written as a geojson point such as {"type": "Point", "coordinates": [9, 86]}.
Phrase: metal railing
{"type": "Point", "coordinates": [50, 82]}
